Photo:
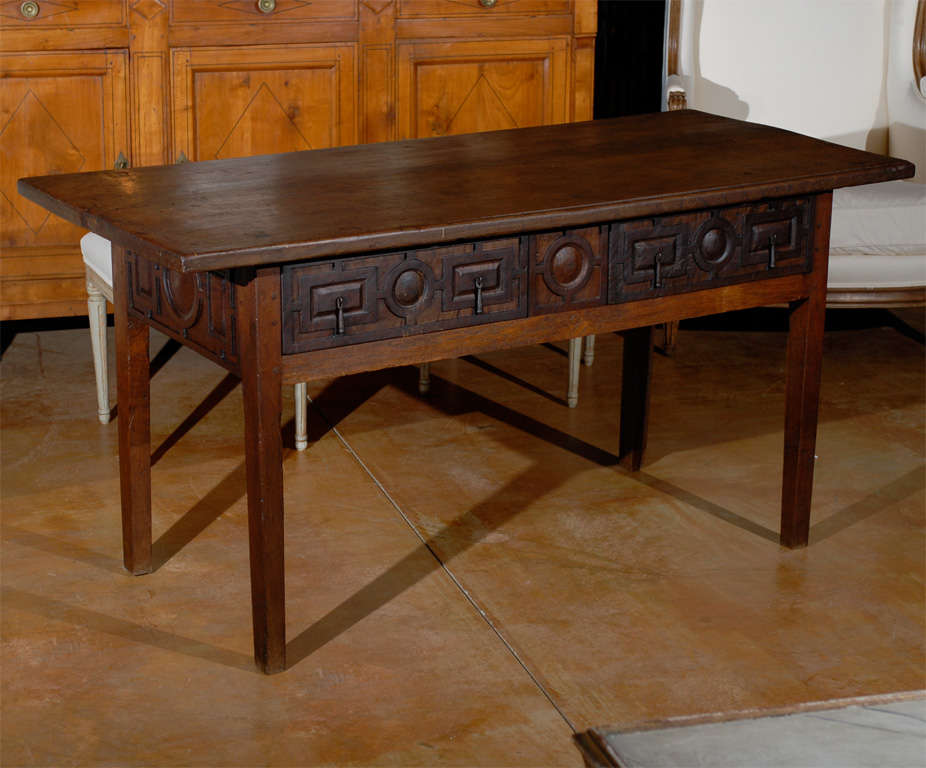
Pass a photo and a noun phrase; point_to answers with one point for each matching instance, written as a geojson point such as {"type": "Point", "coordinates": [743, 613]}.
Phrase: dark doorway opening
{"type": "Point", "coordinates": [628, 57]}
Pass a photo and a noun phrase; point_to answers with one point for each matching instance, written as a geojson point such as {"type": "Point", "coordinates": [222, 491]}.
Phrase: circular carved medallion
{"type": "Point", "coordinates": [409, 287]}
{"type": "Point", "coordinates": [567, 264]}
{"type": "Point", "coordinates": [184, 295]}
{"type": "Point", "coordinates": [715, 242]}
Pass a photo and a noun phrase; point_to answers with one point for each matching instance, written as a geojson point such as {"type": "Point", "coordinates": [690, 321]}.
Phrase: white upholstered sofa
{"type": "Point", "coordinates": [848, 71]}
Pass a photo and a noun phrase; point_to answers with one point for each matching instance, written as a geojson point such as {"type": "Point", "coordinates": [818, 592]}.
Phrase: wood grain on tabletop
{"type": "Point", "coordinates": [302, 205]}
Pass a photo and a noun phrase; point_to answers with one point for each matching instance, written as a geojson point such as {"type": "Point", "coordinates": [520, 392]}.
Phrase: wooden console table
{"type": "Point", "coordinates": [465, 244]}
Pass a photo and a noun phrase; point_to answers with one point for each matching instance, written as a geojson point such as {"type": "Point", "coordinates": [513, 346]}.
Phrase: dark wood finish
{"type": "Point", "coordinates": [427, 192]}
{"type": "Point", "coordinates": [802, 389]}
{"type": "Point", "coordinates": [636, 371]}
{"type": "Point", "coordinates": [352, 300]}
{"type": "Point", "coordinates": [674, 254]}
{"type": "Point", "coordinates": [568, 269]}
{"type": "Point", "coordinates": [341, 361]}
{"type": "Point", "coordinates": [196, 308]}
{"type": "Point", "coordinates": [133, 392]}
{"type": "Point", "coordinates": [529, 214]}
{"type": "Point", "coordinates": [259, 333]}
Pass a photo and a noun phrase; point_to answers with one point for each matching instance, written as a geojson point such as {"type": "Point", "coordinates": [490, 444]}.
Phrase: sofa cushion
{"type": "Point", "coordinates": [97, 254]}
{"type": "Point", "coordinates": [887, 221]}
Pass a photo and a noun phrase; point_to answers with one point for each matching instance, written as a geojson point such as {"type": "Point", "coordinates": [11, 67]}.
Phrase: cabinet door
{"type": "Point", "coordinates": [240, 101]}
{"type": "Point", "coordinates": [59, 113]}
{"type": "Point", "coordinates": [469, 86]}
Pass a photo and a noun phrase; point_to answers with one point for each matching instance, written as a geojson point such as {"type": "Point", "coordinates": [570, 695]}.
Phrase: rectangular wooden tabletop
{"type": "Point", "coordinates": [301, 205]}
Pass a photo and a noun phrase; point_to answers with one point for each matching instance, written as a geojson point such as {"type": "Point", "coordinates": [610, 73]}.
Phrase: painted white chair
{"type": "Point", "coordinates": [98, 265]}
{"type": "Point", "coordinates": [848, 71]}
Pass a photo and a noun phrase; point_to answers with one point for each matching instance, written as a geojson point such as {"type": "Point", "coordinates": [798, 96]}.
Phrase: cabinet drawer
{"type": "Point", "coordinates": [486, 8]}
{"type": "Point", "coordinates": [690, 252]}
{"type": "Point", "coordinates": [73, 13]}
{"type": "Point", "coordinates": [352, 300]}
{"type": "Point", "coordinates": [251, 11]}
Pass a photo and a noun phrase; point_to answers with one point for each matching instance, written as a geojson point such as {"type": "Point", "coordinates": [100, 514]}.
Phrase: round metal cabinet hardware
{"type": "Point", "coordinates": [488, 3]}
{"type": "Point", "coordinates": [266, 6]}
{"type": "Point", "coordinates": [29, 9]}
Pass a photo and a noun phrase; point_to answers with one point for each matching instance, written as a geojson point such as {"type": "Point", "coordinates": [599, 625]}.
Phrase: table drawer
{"type": "Point", "coordinates": [690, 252]}
{"type": "Point", "coordinates": [353, 300]}
{"type": "Point", "coordinates": [568, 269]}
{"type": "Point", "coordinates": [198, 307]}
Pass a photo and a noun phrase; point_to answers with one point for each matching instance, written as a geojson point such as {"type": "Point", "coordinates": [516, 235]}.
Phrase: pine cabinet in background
{"type": "Point", "coordinates": [92, 84]}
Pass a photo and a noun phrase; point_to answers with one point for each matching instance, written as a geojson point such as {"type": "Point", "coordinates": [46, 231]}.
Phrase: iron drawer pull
{"type": "Point", "coordinates": [771, 251]}
{"type": "Point", "coordinates": [339, 316]}
{"type": "Point", "coordinates": [477, 284]}
{"type": "Point", "coordinates": [657, 269]}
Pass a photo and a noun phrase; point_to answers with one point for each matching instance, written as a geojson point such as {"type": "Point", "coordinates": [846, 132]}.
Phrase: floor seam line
{"type": "Point", "coordinates": [459, 585]}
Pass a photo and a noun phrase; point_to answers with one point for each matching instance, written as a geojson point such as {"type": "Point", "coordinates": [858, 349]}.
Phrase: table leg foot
{"type": "Point", "coordinates": [637, 370]}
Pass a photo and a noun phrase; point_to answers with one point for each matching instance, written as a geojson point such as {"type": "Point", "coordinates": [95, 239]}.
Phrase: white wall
{"type": "Point", "coordinates": [814, 66]}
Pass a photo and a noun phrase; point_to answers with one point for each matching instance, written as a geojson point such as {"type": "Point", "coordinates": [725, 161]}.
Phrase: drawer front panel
{"type": "Point", "coordinates": [480, 8]}
{"type": "Point", "coordinates": [199, 307]}
{"type": "Point", "coordinates": [63, 13]}
{"type": "Point", "coordinates": [251, 11]}
{"type": "Point", "coordinates": [349, 301]}
{"type": "Point", "coordinates": [690, 252]}
{"type": "Point", "coordinates": [568, 269]}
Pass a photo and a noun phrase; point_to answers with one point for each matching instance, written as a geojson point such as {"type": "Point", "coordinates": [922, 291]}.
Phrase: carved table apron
{"type": "Point", "coordinates": [405, 253]}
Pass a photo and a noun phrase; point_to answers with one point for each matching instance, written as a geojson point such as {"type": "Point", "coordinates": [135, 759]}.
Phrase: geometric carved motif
{"type": "Point", "coordinates": [148, 9]}
{"type": "Point", "coordinates": [689, 252]}
{"type": "Point", "coordinates": [358, 299]}
{"type": "Point", "coordinates": [32, 139]}
{"type": "Point", "coordinates": [197, 307]}
{"type": "Point", "coordinates": [568, 269]}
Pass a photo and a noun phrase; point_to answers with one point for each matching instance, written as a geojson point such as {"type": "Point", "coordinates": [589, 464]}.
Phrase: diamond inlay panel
{"type": "Point", "coordinates": [253, 101]}
{"type": "Point", "coordinates": [32, 141]}
{"type": "Point", "coordinates": [263, 124]}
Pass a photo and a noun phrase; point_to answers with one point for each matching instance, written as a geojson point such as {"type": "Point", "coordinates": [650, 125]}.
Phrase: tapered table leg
{"type": "Point", "coordinates": [259, 338]}
{"type": "Point", "coordinates": [635, 383]}
{"type": "Point", "coordinates": [802, 389]}
{"type": "Point", "coordinates": [133, 393]}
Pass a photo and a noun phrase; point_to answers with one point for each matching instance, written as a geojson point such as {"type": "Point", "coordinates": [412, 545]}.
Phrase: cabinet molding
{"type": "Point", "coordinates": [161, 81]}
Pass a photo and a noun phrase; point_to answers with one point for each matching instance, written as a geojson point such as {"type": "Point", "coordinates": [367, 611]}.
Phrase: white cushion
{"type": "Point", "coordinates": [880, 218]}
{"type": "Point", "coordinates": [98, 255]}
{"type": "Point", "coordinates": [878, 236]}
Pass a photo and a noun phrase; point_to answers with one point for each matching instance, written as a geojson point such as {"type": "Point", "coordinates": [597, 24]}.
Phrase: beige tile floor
{"type": "Point", "coordinates": [470, 576]}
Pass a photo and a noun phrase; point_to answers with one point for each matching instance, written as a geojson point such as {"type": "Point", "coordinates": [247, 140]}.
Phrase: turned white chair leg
{"type": "Point", "coordinates": [575, 355]}
{"type": "Point", "coordinates": [424, 378]}
{"type": "Point", "coordinates": [96, 312]}
{"type": "Point", "coordinates": [588, 356]}
{"type": "Point", "coordinates": [302, 416]}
